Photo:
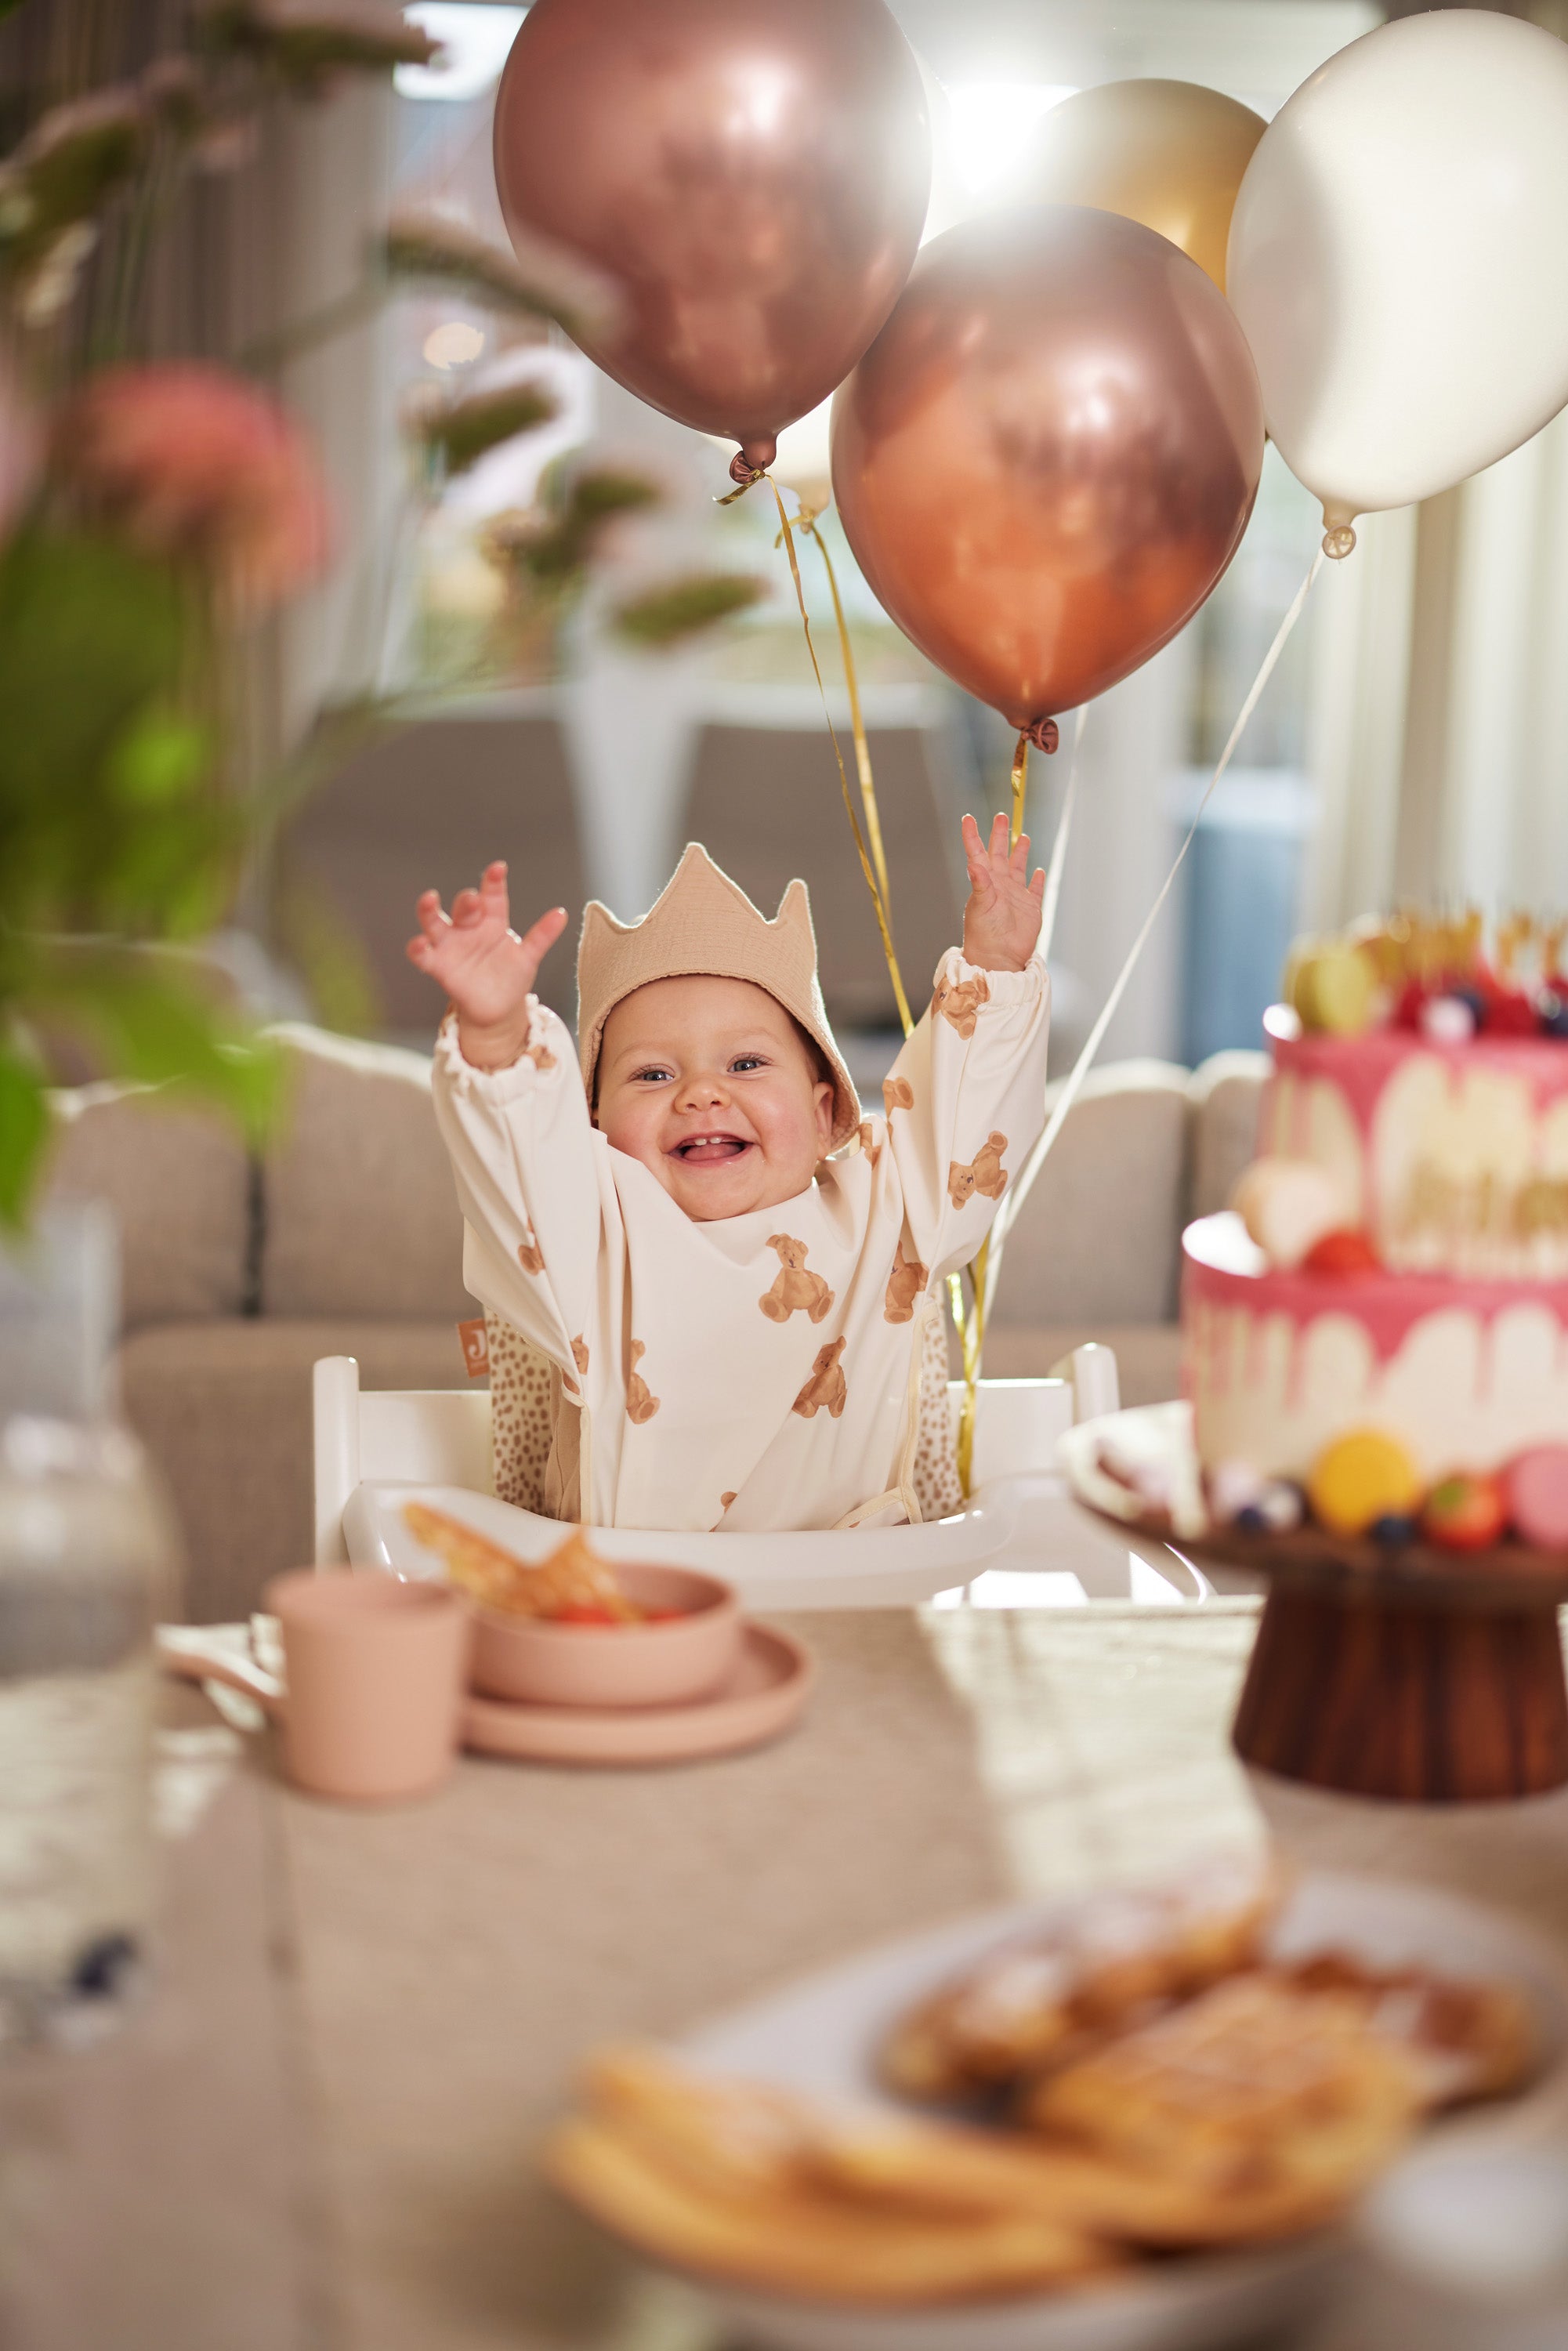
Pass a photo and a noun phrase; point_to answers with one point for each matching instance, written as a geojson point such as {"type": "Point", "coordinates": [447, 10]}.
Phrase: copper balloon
{"type": "Point", "coordinates": [753, 173]}
{"type": "Point", "coordinates": [1047, 456]}
{"type": "Point", "coordinates": [1168, 153]}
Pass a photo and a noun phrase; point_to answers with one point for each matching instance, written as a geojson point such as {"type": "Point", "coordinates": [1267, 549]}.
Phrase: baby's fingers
{"type": "Point", "coordinates": [1019, 861]}
{"type": "Point", "coordinates": [467, 908]}
{"type": "Point", "coordinates": [429, 916]}
{"type": "Point", "coordinates": [974, 855]}
{"type": "Point", "coordinates": [538, 941]}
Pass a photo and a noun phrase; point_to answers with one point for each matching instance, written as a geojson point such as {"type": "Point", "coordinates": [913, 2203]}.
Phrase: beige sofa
{"type": "Point", "coordinates": [345, 1239]}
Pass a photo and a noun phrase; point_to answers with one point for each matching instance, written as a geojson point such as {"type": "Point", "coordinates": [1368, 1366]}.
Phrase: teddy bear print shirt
{"type": "Point", "coordinates": [760, 1372]}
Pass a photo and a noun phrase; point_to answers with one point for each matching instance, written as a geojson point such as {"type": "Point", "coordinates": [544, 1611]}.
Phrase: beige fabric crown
{"type": "Point", "coordinates": [704, 922]}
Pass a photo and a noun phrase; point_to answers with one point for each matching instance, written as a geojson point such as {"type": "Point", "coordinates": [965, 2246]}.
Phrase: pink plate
{"type": "Point", "coordinates": [761, 1697]}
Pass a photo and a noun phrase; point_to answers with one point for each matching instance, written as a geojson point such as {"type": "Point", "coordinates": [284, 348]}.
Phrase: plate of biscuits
{"type": "Point", "coordinates": [1135, 2121]}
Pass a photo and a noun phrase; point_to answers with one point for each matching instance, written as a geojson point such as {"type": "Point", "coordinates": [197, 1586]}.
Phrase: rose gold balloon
{"type": "Point", "coordinates": [1168, 153]}
{"type": "Point", "coordinates": [1047, 456]}
{"type": "Point", "coordinates": [754, 172]}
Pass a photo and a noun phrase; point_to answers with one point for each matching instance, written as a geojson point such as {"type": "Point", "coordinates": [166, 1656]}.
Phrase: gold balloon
{"type": "Point", "coordinates": [1168, 153]}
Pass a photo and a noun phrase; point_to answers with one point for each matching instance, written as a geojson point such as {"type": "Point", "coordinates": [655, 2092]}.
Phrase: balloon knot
{"type": "Point", "coordinates": [1339, 542]}
{"type": "Point", "coordinates": [1045, 733]}
{"type": "Point", "coordinates": [742, 472]}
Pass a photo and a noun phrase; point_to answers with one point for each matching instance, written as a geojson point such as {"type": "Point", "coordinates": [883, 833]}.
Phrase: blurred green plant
{"type": "Point", "coordinates": [148, 513]}
{"type": "Point", "coordinates": [421, 247]}
{"type": "Point", "coordinates": [456, 434]}
{"type": "Point", "coordinates": [667, 615]}
{"type": "Point", "coordinates": [112, 843]}
{"type": "Point", "coordinates": [307, 51]}
{"type": "Point", "coordinates": [552, 546]}
{"type": "Point", "coordinates": [145, 514]}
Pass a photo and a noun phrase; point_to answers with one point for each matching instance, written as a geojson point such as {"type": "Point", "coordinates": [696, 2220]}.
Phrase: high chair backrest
{"type": "Point", "coordinates": [441, 1437]}
{"type": "Point", "coordinates": [427, 1437]}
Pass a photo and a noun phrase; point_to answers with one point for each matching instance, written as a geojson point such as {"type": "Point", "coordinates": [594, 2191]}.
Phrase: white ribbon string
{"type": "Point", "coordinates": [1019, 1191]}
{"type": "Point", "coordinates": [1059, 846]}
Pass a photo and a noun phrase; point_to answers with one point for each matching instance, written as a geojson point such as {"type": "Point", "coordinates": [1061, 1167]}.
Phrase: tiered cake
{"type": "Point", "coordinates": [1378, 1332]}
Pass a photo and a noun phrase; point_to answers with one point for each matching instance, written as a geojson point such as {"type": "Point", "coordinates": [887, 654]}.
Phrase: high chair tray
{"type": "Point", "coordinates": [859, 1567]}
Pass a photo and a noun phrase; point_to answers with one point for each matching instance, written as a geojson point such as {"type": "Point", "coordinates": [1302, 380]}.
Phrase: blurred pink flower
{"type": "Point", "coordinates": [196, 463]}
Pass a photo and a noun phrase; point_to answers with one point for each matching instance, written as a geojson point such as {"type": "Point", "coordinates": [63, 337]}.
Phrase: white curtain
{"type": "Point", "coordinates": [1484, 810]}
{"type": "Point", "coordinates": [1439, 724]}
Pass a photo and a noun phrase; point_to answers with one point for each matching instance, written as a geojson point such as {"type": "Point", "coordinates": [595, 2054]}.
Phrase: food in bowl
{"type": "Point", "coordinates": [1190, 2109]}
{"type": "Point", "coordinates": [540, 1632]}
{"type": "Point", "coordinates": [570, 1587]}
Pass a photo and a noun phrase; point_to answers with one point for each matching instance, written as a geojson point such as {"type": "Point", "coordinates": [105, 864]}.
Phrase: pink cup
{"type": "Point", "coordinates": [376, 1673]}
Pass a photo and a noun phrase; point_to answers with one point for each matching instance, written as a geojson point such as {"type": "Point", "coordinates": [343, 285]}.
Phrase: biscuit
{"type": "Point", "coordinates": [1467, 2040]}
{"type": "Point", "coordinates": [1039, 2002]}
{"type": "Point", "coordinates": [1253, 2082]}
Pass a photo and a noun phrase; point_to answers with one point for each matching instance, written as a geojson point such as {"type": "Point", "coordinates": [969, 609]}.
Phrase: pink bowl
{"type": "Point", "coordinates": [667, 1664]}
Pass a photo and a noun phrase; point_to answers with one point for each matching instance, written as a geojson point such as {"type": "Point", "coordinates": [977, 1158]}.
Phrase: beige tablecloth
{"type": "Point", "coordinates": [321, 2131]}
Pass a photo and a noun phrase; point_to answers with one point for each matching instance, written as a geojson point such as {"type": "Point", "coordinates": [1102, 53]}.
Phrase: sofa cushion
{"type": "Point", "coordinates": [224, 1409]}
{"type": "Point", "coordinates": [359, 1210]}
{"type": "Point", "coordinates": [1148, 1354]}
{"type": "Point", "coordinates": [178, 1182]}
{"type": "Point", "coordinates": [1226, 1093]}
{"type": "Point", "coordinates": [1096, 1241]}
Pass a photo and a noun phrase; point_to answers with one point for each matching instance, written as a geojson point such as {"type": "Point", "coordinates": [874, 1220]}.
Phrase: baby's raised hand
{"type": "Point", "coordinates": [485, 967]}
{"type": "Point", "coordinates": [1001, 921]}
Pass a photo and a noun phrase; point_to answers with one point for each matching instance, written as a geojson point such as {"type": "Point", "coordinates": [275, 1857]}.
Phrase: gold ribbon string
{"type": "Point", "coordinates": [1019, 1189]}
{"type": "Point", "coordinates": [971, 1329]}
{"type": "Point", "coordinates": [806, 523]}
{"type": "Point", "coordinates": [971, 1322]}
{"type": "Point", "coordinates": [786, 534]}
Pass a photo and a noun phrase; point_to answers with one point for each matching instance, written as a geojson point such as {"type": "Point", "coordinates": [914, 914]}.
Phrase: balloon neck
{"type": "Point", "coordinates": [1339, 538]}
{"type": "Point", "coordinates": [753, 458]}
{"type": "Point", "coordinates": [1044, 733]}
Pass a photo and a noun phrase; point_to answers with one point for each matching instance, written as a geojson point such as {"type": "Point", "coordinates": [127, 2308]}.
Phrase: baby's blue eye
{"type": "Point", "coordinates": [653, 1077]}
{"type": "Point", "coordinates": [748, 1061]}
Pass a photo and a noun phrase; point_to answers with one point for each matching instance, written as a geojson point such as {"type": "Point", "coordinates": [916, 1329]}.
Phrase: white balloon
{"type": "Point", "coordinates": [1398, 258]}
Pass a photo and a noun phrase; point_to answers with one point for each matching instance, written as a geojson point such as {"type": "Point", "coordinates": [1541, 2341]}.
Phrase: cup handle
{"type": "Point", "coordinates": [178, 1654]}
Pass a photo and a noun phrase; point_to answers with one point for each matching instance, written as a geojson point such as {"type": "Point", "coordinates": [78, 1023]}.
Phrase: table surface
{"type": "Point", "coordinates": [319, 2133]}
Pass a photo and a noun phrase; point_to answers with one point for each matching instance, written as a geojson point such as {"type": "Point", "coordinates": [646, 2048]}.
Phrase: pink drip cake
{"type": "Point", "coordinates": [1376, 1334]}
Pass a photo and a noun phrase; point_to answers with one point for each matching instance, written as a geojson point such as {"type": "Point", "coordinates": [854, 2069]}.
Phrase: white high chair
{"type": "Point", "coordinates": [374, 1448]}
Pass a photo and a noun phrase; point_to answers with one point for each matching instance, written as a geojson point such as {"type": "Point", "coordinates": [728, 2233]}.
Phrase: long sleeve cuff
{"type": "Point", "coordinates": [1006, 991]}
{"type": "Point", "coordinates": [545, 1047]}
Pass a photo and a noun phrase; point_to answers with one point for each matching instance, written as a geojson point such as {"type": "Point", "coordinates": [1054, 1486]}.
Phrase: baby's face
{"type": "Point", "coordinates": [707, 1082]}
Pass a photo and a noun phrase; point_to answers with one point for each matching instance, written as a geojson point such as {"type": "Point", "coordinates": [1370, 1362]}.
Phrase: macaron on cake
{"type": "Point", "coordinates": [1378, 1326]}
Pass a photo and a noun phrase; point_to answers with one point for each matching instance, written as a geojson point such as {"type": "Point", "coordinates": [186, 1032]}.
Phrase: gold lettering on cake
{"type": "Point", "coordinates": [1444, 1209]}
{"type": "Point", "coordinates": [1542, 1207]}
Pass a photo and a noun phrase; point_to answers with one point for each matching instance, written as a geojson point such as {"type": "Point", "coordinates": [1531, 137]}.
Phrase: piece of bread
{"type": "Point", "coordinates": [725, 2178]}
{"type": "Point", "coordinates": [572, 1577]}
{"type": "Point", "coordinates": [949, 2168]}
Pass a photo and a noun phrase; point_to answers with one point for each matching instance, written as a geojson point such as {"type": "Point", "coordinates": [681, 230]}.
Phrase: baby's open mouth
{"type": "Point", "coordinates": [710, 1150]}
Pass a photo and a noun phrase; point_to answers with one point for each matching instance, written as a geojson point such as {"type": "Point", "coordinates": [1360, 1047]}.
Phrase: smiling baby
{"type": "Point", "coordinates": [733, 1278]}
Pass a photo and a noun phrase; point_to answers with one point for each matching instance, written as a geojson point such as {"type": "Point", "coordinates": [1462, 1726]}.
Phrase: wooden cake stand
{"type": "Point", "coordinates": [1422, 1675]}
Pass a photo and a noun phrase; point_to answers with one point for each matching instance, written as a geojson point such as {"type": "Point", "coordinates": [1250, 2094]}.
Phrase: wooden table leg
{"type": "Point", "coordinates": [1420, 1705]}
